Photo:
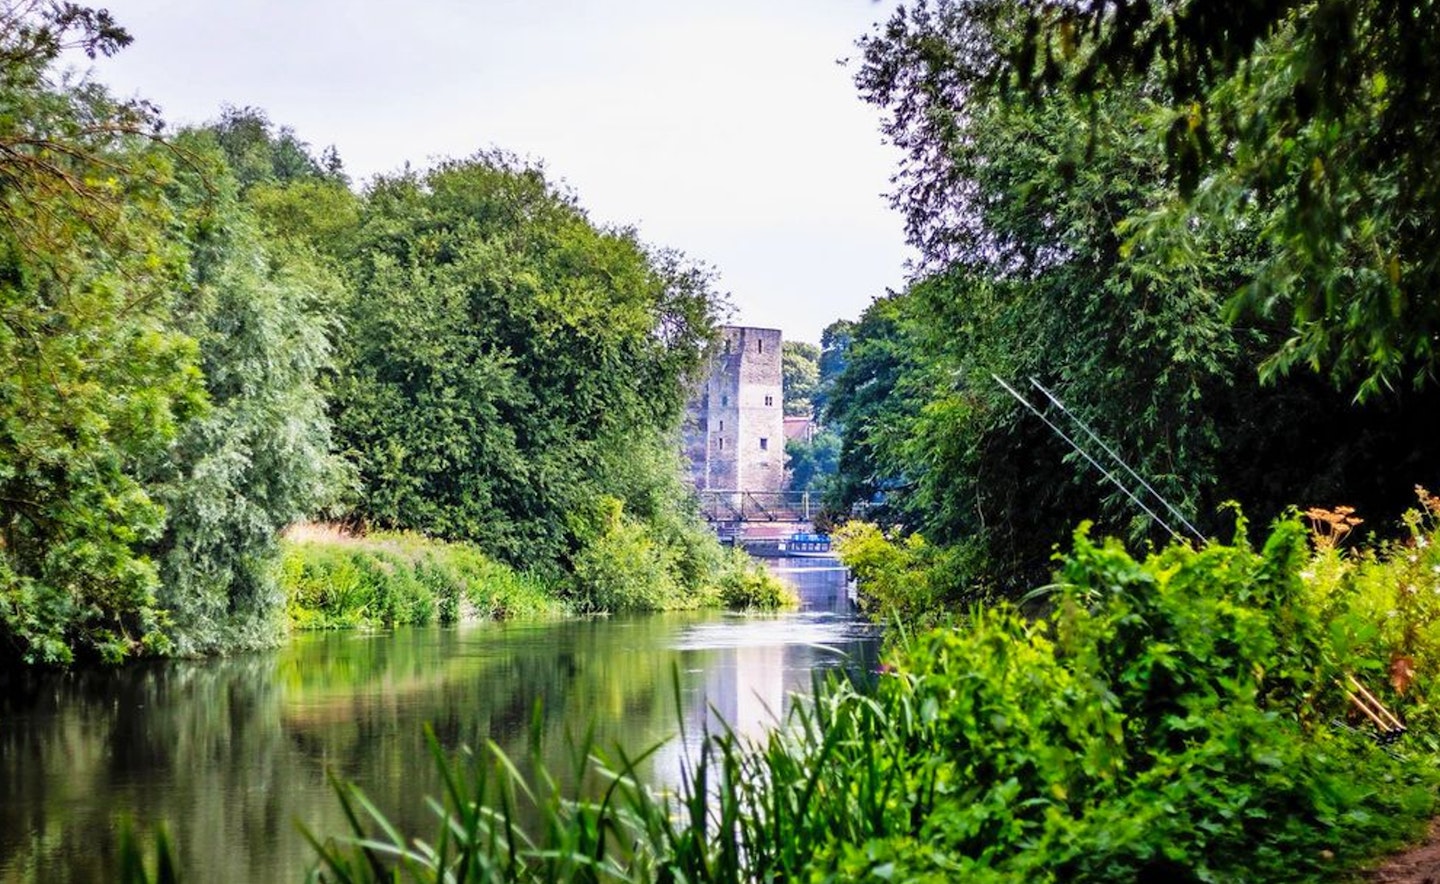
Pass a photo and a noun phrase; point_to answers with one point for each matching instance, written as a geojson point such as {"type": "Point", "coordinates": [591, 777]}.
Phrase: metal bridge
{"type": "Point", "coordinates": [726, 507]}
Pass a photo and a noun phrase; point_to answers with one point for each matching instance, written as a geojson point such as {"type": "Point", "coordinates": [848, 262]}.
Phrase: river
{"type": "Point", "coordinates": [232, 754]}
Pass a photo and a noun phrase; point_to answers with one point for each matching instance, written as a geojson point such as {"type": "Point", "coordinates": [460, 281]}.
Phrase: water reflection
{"type": "Point", "coordinates": [229, 754]}
{"type": "Point", "coordinates": [758, 662]}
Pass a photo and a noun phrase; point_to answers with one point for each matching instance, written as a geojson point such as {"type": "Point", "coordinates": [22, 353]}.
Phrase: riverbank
{"type": "Point", "coordinates": [1253, 687]}
{"type": "Point", "coordinates": [1418, 865]}
{"type": "Point", "coordinates": [335, 579]}
{"type": "Point", "coordinates": [1186, 715]}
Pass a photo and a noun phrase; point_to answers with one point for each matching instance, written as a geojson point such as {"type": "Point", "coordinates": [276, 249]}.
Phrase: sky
{"type": "Point", "coordinates": [726, 129]}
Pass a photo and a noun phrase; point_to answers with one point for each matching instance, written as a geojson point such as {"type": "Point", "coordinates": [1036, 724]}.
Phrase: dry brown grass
{"type": "Point", "coordinates": [406, 544]}
{"type": "Point", "coordinates": [322, 532]}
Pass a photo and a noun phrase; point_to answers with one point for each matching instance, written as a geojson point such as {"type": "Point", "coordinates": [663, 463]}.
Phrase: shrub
{"type": "Point", "coordinates": [622, 568]}
{"type": "Point", "coordinates": [903, 575]}
{"type": "Point", "coordinates": [628, 564]}
{"type": "Point", "coordinates": [744, 584]}
{"type": "Point", "coordinates": [1382, 609]}
{"type": "Point", "coordinates": [337, 581]}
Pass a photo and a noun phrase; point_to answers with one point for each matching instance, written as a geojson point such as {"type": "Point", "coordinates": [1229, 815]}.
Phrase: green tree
{"type": "Point", "coordinates": [506, 363]}
{"type": "Point", "coordinates": [834, 341]}
{"type": "Point", "coordinates": [258, 152]}
{"type": "Point", "coordinates": [320, 216]}
{"type": "Point", "coordinates": [1324, 112]}
{"type": "Point", "coordinates": [1027, 216]}
{"type": "Point", "coordinates": [93, 380]}
{"type": "Point", "coordinates": [874, 401]}
{"type": "Point", "coordinates": [260, 458]}
{"type": "Point", "coordinates": [811, 463]}
{"type": "Point", "coordinates": [800, 372]}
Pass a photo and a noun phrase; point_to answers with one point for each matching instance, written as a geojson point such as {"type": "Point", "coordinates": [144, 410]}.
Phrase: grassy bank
{"type": "Point", "coordinates": [333, 579]}
{"type": "Point", "coordinates": [336, 580]}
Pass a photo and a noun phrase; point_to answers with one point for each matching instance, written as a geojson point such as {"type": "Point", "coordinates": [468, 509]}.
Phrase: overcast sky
{"type": "Point", "coordinates": [725, 129]}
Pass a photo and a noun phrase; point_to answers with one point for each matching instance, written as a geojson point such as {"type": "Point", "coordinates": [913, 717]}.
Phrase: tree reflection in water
{"type": "Point", "coordinates": [231, 753]}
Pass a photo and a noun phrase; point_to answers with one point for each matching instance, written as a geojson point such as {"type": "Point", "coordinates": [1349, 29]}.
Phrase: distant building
{"type": "Point", "coordinates": [799, 428]}
{"type": "Point", "coordinates": [735, 425]}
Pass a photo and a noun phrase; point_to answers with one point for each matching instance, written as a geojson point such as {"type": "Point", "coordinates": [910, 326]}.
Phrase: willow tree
{"type": "Point", "coordinates": [259, 458]}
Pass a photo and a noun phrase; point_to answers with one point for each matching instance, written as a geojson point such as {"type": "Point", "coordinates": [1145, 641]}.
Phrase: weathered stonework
{"type": "Point", "coordinates": [735, 425]}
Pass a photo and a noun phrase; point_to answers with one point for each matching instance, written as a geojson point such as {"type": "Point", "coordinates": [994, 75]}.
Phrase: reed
{"type": "Point", "coordinates": [742, 811]}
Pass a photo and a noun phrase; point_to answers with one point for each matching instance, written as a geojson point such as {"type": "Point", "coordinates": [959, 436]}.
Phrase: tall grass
{"type": "Point", "coordinates": [333, 579]}
{"type": "Point", "coordinates": [609, 826]}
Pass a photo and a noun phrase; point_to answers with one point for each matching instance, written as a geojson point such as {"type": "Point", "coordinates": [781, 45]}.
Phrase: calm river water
{"type": "Point", "coordinates": [232, 754]}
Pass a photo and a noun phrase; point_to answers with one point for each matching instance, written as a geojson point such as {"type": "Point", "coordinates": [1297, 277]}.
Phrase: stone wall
{"type": "Point", "coordinates": [735, 425]}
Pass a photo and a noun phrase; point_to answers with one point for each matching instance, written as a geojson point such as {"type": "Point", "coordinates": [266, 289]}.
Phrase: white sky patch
{"type": "Point", "coordinates": [724, 129]}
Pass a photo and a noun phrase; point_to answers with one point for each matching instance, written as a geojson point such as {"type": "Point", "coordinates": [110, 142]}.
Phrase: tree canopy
{"type": "Point", "coordinates": [93, 381]}
{"type": "Point", "coordinates": [1325, 113]}
{"type": "Point", "coordinates": [206, 335]}
{"type": "Point", "coordinates": [501, 351]}
{"type": "Point", "coordinates": [1059, 243]}
{"type": "Point", "coordinates": [800, 374]}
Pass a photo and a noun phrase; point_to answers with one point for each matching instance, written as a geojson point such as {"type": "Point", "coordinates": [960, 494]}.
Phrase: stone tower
{"type": "Point", "coordinates": [735, 425]}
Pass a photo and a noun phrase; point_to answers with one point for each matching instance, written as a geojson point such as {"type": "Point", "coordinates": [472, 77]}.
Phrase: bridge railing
{"type": "Point", "coordinates": [757, 506]}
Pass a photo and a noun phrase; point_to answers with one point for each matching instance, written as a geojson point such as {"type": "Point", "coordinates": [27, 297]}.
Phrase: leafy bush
{"type": "Point", "coordinates": [663, 562]}
{"type": "Point", "coordinates": [903, 575]}
{"type": "Point", "coordinates": [621, 566]}
{"type": "Point", "coordinates": [743, 583]}
{"type": "Point", "coordinates": [1382, 607]}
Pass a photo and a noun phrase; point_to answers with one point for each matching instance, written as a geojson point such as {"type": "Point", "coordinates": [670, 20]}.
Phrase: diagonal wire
{"type": "Point", "coordinates": [1085, 454]}
{"type": "Point", "coordinates": [1115, 457]}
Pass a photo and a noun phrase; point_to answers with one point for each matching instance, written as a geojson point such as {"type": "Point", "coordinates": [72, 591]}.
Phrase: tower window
{"type": "Point", "coordinates": [764, 444]}
{"type": "Point", "coordinates": [760, 346]}
{"type": "Point", "coordinates": [722, 426]}
{"type": "Point", "coordinates": [769, 400]}
{"type": "Point", "coordinates": [722, 444]}
{"type": "Point", "coordinates": [724, 400]}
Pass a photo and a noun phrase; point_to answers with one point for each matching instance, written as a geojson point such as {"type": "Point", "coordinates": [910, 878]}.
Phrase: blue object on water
{"type": "Point", "coordinates": [813, 544]}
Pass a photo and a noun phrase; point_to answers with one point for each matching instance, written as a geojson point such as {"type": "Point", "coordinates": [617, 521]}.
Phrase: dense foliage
{"type": "Point", "coordinates": [165, 417]}
{"type": "Point", "coordinates": [799, 376]}
{"type": "Point", "coordinates": [260, 457]}
{"type": "Point", "coordinates": [1059, 245]}
{"type": "Point", "coordinates": [834, 340]}
{"type": "Point", "coordinates": [207, 336]}
{"type": "Point", "coordinates": [810, 464]}
{"type": "Point", "coordinates": [1181, 716]}
{"type": "Point", "coordinates": [333, 580]}
{"type": "Point", "coordinates": [1323, 112]}
{"type": "Point", "coordinates": [506, 364]}
{"type": "Point", "coordinates": [93, 379]}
